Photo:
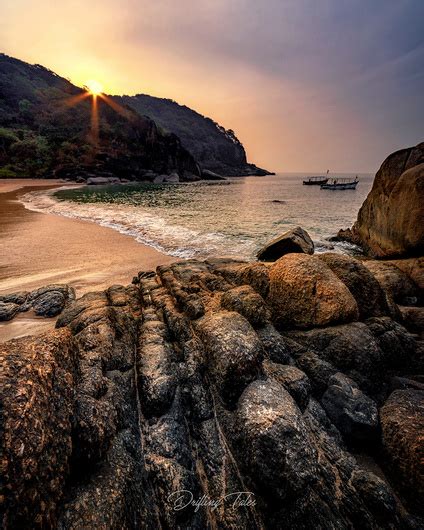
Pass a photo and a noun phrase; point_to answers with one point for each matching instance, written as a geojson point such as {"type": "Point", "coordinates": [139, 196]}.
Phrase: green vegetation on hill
{"type": "Point", "coordinates": [43, 134]}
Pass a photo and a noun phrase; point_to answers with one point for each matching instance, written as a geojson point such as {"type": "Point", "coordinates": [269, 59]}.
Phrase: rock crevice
{"type": "Point", "coordinates": [186, 386]}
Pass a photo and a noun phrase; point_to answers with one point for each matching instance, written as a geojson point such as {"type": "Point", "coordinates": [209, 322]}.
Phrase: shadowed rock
{"type": "Point", "coordinates": [364, 287]}
{"type": "Point", "coordinates": [351, 411]}
{"type": "Point", "coordinates": [8, 310]}
{"type": "Point", "coordinates": [295, 240]}
{"type": "Point", "coordinates": [402, 422]}
{"type": "Point", "coordinates": [293, 380]}
{"type": "Point", "coordinates": [247, 302]}
{"type": "Point", "coordinates": [46, 301]}
{"type": "Point", "coordinates": [397, 284]}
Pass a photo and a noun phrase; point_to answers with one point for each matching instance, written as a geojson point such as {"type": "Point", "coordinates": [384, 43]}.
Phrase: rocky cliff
{"type": "Point", "coordinates": [48, 128]}
{"type": "Point", "coordinates": [214, 147]}
{"type": "Point", "coordinates": [154, 405]}
{"type": "Point", "coordinates": [391, 220]}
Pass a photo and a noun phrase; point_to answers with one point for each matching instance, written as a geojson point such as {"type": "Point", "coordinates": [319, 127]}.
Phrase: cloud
{"type": "Point", "coordinates": [305, 84]}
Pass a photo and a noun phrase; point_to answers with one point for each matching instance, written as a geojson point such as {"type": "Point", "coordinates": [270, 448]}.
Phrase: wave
{"type": "Point", "coordinates": [167, 234]}
{"type": "Point", "coordinates": [133, 221]}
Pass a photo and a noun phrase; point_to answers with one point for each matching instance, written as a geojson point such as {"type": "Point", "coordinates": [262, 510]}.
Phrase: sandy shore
{"type": "Point", "coordinates": [37, 249]}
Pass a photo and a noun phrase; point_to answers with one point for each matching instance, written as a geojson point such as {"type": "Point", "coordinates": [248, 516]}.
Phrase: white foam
{"type": "Point", "coordinates": [133, 221]}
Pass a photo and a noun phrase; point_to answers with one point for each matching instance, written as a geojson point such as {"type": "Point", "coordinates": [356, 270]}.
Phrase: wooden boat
{"type": "Point", "coordinates": [341, 184]}
{"type": "Point", "coordinates": [316, 181]}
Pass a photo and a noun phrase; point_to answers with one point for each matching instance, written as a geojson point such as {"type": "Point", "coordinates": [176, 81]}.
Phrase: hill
{"type": "Point", "coordinates": [214, 147]}
{"type": "Point", "coordinates": [49, 128]}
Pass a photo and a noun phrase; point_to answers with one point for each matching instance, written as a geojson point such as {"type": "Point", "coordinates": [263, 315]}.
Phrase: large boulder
{"type": "Point", "coordinates": [391, 220]}
{"type": "Point", "coordinates": [366, 290]}
{"type": "Point", "coordinates": [46, 301]}
{"type": "Point", "coordinates": [402, 422]}
{"type": "Point", "coordinates": [305, 293]}
{"type": "Point", "coordinates": [278, 449]}
{"type": "Point", "coordinates": [295, 240]}
{"type": "Point", "coordinates": [234, 352]}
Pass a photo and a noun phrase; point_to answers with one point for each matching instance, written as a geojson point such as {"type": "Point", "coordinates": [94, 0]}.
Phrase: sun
{"type": "Point", "coordinates": [94, 87]}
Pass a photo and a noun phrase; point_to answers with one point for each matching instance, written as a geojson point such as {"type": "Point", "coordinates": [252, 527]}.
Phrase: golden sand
{"type": "Point", "coordinates": [37, 249]}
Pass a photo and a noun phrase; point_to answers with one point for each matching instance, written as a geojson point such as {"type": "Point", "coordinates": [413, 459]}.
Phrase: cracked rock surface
{"type": "Point", "coordinates": [205, 379]}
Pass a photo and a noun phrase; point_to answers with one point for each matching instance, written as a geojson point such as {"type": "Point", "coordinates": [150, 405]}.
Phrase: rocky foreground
{"type": "Point", "coordinates": [296, 383]}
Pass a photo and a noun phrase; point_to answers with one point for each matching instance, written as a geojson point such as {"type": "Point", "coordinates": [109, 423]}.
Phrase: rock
{"type": "Point", "coordinates": [295, 240]}
{"type": "Point", "coordinates": [37, 408]}
{"type": "Point", "coordinates": [394, 281]}
{"type": "Point", "coordinates": [159, 179]}
{"type": "Point", "coordinates": [234, 349]}
{"type": "Point", "coordinates": [15, 298]}
{"type": "Point", "coordinates": [391, 220]}
{"type": "Point", "coordinates": [191, 177]}
{"type": "Point", "coordinates": [402, 422]}
{"type": "Point", "coordinates": [318, 370]}
{"type": "Point", "coordinates": [364, 287]}
{"type": "Point", "coordinates": [8, 310]}
{"type": "Point", "coordinates": [210, 175]}
{"type": "Point", "coordinates": [97, 181]}
{"type": "Point", "coordinates": [247, 302]}
{"type": "Point", "coordinates": [351, 411]}
{"type": "Point", "coordinates": [274, 346]}
{"type": "Point", "coordinates": [414, 269]}
{"type": "Point", "coordinates": [304, 293]}
{"type": "Point", "coordinates": [397, 344]}
{"type": "Point", "coordinates": [256, 275]}
{"type": "Point", "coordinates": [363, 351]}
{"type": "Point", "coordinates": [153, 388]}
{"type": "Point", "coordinates": [172, 177]}
{"type": "Point", "coordinates": [49, 304]}
{"type": "Point", "coordinates": [405, 382]}
{"type": "Point", "coordinates": [293, 380]}
{"type": "Point", "coordinates": [156, 370]}
{"type": "Point", "coordinates": [278, 452]}
{"type": "Point", "coordinates": [50, 301]}
{"type": "Point", "coordinates": [413, 318]}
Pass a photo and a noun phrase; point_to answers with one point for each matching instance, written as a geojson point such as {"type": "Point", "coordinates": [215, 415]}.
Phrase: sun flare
{"type": "Point", "coordinates": [94, 87]}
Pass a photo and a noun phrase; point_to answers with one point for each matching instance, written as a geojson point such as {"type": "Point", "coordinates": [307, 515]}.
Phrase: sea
{"type": "Point", "coordinates": [234, 218]}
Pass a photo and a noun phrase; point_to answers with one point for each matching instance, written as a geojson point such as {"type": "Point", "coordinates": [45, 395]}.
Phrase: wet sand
{"type": "Point", "coordinates": [37, 249]}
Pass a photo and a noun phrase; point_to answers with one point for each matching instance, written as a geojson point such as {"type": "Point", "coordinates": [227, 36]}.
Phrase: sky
{"type": "Point", "coordinates": [307, 85]}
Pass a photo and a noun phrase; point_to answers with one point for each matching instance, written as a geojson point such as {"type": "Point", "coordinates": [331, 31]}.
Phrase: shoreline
{"type": "Point", "coordinates": [38, 249]}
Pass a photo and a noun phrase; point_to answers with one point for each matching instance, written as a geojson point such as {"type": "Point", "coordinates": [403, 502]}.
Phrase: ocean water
{"type": "Point", "coordinates": [233, 218]}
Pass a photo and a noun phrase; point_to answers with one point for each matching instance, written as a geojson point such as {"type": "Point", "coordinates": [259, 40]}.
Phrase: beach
{"type": "Point", "coordinates": [39, 249]}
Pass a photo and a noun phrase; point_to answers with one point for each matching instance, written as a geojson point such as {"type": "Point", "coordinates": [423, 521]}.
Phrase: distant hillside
{"type": "Point", "coordinates": [214, 147]}
{"type": "Point", "coordinates": [43, 135]}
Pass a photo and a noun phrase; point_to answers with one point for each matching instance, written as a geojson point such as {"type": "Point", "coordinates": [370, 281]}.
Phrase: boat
{"type": "Point", "coordinates": [316, 181]}
{"type": "Point", "coordinates": [340, 184]}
